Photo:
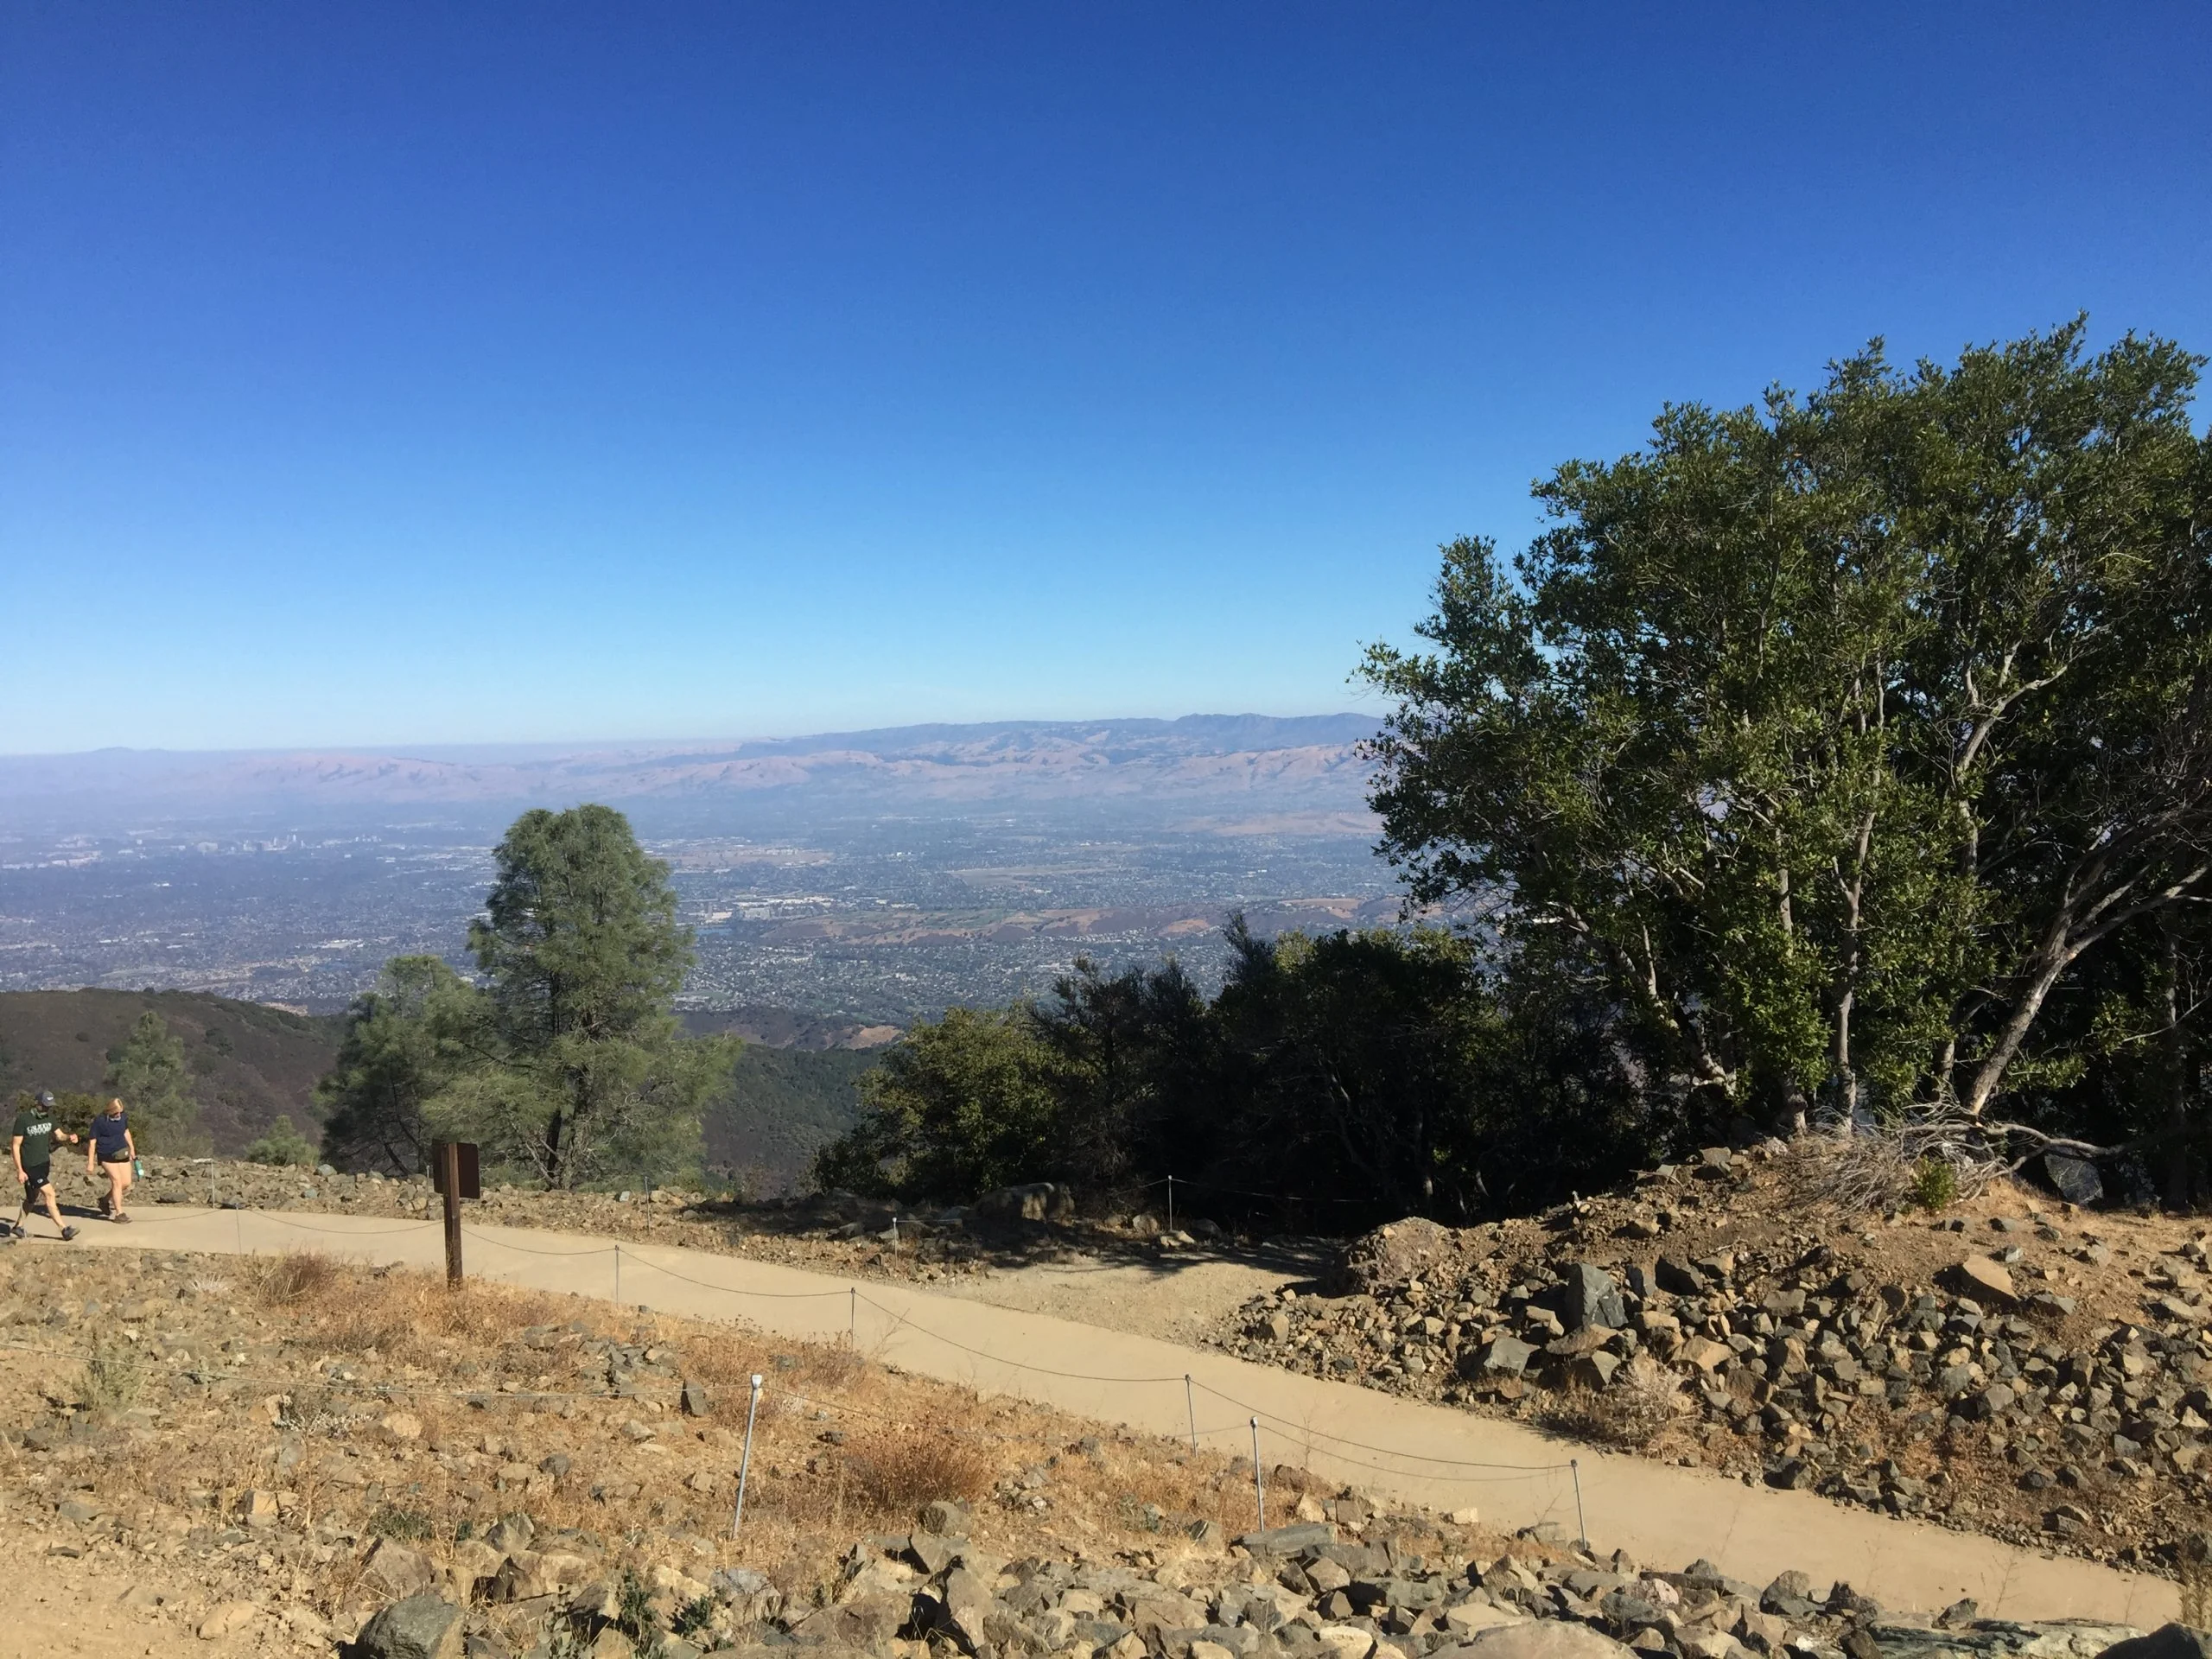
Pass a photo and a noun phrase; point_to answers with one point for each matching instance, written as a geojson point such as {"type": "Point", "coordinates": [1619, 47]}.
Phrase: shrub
{"type": "Point", "coordinates": [403, 1526]}
{"type": "Point", "coordinates": [297, 1276]}
{"type": "Point", "coordinates": [282, 1145]}
{"type": "Point", "coordinates": [895, 1472]}
{"type": "Point", "coordinates": [110, 1379]}
{"type": "Point", "coordinates": [1935, 1184]}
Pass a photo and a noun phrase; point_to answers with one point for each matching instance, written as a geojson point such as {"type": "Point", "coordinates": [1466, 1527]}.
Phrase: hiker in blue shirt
{"type": "Point", "coordinates": [114, 1151]}
{"type": "Point", "coordinates": [33, 1148]}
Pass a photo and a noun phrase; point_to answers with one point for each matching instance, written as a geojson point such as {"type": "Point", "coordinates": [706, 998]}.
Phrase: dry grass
{"type": "Point", "coordinates": [1643, 1399]}
{"type": "Point", "coordinates": [322, 1352]}
{"type": "Point", "coordinates": [314, 1355]}
{"type": "Point", "coordinates": [295, 1277]}
{"type": "Point", "coordinates": [896, 1470]}
{"type": "Point", "coordinates": [1887, 1167]}
{"type": "Point", "coordinates": [111, 1378]}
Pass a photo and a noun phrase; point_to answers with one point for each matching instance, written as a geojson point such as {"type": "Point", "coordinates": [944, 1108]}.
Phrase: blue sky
{"type": "Point", "coordinates": [376, 374]}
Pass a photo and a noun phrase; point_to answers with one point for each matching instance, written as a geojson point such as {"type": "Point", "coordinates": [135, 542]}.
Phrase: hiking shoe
{"type": "Point", "coordinates": [119, 1218]}
{"type": "Point", "coordinates": [68, 1233]}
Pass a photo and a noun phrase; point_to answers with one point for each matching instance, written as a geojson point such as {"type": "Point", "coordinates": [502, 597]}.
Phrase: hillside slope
{"type": "Point", "coordinates": [1311, 760]}
{"type": "Point", "coordinates": [250, 1063]}
{"type": "Point", "coordinates": [785, 1105]}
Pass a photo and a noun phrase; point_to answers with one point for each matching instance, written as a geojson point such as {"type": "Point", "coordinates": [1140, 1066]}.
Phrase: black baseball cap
{"type": "Point", "coordinates": [46, 1099]}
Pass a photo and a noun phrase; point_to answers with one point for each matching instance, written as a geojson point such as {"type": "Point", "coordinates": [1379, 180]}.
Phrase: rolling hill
{"type": "Point", "coordinates": [786, 1104]}
{"type": "Point", "coordinates": [1240, 764]}
{"type": "Point", "coordinates": [250, 1063]}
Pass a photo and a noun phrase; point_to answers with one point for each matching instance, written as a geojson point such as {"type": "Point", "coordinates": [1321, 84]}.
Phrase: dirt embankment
{"type": "Point", "coordinates": [2012, 1366]}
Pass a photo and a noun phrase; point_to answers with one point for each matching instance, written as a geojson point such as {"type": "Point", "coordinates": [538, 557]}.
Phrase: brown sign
{"type": "Point", "coordinates": [467, 1185]}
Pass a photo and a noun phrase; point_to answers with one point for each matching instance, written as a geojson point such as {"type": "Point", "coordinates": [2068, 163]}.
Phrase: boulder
{"type": "Point", "coordinates": [946, 1517]}
{"type": "Point", "coordinates": [1677, 1277]}
{"type": "Point", "coordinates": [1470, 1618]}
{"type": "Point", "coordinates": [863, 1622]}
{"type": "Point", "coordinates": [1704, 1353]}
{"type": "Point", "coordinates": [963, 1605]}
{"type": "Point", "coordinates": [420, 1627]}
{"type": "Point", "coordinates": [1033, 1201]}
{"type": "Point", "coordinates": [397, 1570]}
{"type": "Point", "coordinates": [1991, 1400]}
{"type": "Point", "coordinates": [2075, 1179]}
{"type": "Point", "coordinates": [933, 1552]}
{"type": "Point", "coordinates": [1592, 1371]}
{"type": "Point", "coordinates": [1594, 1298]}
{"type": "Point", "coordinates": [1394, 1253]}
{"type": "Point", "coordinates": [1998, 1638]}
{"type": "Point", "coordinates": [1505, 1356]}
{"type": "Point", "coordinates": [2167, 1641]}
{"type": "Point", "coordinates": [1289, 1541]}
{"type": "Point", "coordinates": [227, 1619]}
{"type": "Point", "coordinates": [1984, 1280]}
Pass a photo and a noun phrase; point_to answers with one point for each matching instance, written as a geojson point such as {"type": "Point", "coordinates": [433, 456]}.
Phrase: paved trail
{"type": "Point", "coordinates": [1658, 1513]}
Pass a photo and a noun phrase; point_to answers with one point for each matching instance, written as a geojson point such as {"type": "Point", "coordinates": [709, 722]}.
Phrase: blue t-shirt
{"type": "Point", "coordinates": [108, 1143]}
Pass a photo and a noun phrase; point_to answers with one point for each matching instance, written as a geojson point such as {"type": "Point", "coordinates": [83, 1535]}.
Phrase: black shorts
{"type": "Point", "coordinates": [35, 1181]}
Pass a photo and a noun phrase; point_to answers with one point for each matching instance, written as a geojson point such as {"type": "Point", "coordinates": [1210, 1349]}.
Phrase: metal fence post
{"type": "Point", "coordinates": [745, 1463]}
{"type": "Point", "coordinates": [1259, 1483]}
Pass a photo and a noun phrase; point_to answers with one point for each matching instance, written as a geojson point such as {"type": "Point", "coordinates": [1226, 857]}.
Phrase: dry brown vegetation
{"type": "Point", "coordinates": [366, 1402]}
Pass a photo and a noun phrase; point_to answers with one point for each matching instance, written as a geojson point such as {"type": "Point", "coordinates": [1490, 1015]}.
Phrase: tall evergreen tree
{"type": "Point", "coordinates": [582, 955]}
{"type": "Point", "coordinates": [154, 1079]}
{"type": "Point", "coordinates": [405, 1044]}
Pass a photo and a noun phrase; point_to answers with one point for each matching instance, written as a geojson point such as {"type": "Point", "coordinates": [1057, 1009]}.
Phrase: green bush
{"type": "Point", "coordinates": [282, 1144]}
{"type": "Point", "coordinates": [401, 1526]}
{"type": "Point", "coordinates": [1934, 1185]}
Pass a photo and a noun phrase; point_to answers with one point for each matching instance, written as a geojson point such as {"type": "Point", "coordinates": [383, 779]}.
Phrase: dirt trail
{"type": "Point", "coordinates": [1176, 1300]}
{"type": "Point", "coordinates": [1657, 1513]}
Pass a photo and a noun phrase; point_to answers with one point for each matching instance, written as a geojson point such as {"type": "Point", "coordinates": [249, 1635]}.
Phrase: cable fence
{"type": "Point", "coordinates": [1311, 1440]}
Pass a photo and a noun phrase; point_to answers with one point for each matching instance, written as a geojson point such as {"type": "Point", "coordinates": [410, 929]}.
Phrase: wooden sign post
{"type": "Point", "coordinates": [453, 1173]}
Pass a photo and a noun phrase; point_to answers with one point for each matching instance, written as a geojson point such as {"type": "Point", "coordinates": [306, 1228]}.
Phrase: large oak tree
{"type": "Point", "coordinates": [1835, 735]}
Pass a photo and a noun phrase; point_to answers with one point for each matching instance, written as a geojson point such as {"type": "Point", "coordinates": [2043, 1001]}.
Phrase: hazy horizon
{"type": "Point", "coordinates": [494, 748]}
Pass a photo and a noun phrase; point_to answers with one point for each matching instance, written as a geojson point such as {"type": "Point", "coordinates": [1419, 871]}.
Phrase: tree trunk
{"type": "Point", "coordinates": [2180, 1183]}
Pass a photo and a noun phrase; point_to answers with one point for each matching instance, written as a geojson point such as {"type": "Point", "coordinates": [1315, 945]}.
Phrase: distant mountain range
{"type": "Point", "coordinates": [1244, 764]}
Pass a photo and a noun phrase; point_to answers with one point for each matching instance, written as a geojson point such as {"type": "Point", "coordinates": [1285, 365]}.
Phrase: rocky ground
{"type": "Point", "coordinates": [297, 1456]}
{"type": "Point", "coordinates": [2013, 1365]}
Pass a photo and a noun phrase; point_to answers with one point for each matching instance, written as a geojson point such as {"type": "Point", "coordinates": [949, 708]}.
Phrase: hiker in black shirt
{"type": "Point", "coordinates": [32, 1147]}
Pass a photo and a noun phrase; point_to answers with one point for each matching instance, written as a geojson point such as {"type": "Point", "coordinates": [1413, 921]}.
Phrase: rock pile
{"type": "Point", "coordinates": [1302, 1592]}
{"type": "Point", "coordinates": [1983, 1395]}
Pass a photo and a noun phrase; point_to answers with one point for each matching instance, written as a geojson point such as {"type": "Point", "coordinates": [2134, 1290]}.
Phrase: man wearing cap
{"type": "Point", "coordinates": [32, 1147]}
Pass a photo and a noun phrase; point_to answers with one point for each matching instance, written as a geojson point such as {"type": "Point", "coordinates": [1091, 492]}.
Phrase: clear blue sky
{"type": "Point", "coordinates": [376, 373]}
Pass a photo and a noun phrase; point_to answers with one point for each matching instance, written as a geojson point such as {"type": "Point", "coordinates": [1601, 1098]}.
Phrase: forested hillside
{"type": "Point", "coordinates": [249, 1063]}
{"type": "Point", "coordinates": [784, 1105]}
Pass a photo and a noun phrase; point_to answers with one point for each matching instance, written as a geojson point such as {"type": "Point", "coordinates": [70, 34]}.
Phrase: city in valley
{"type": "Point", "coordinates": [898, 874]}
